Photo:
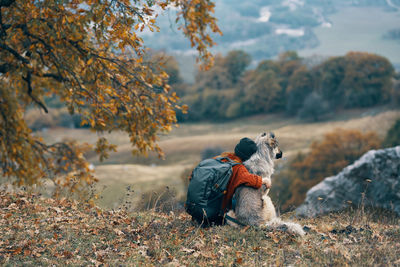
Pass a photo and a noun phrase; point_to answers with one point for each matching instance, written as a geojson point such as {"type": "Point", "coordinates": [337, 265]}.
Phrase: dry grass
{"type": "Point", "coordinates": [37, 231]}
{"type": "Point", "coordinates": [114, 179]}
{"type": "Point", "coordinates": [184, 144]}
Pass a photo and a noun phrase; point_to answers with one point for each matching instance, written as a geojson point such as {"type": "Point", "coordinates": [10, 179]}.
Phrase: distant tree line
{"type": "Point", "coordinates": [289, 84]}
{"type": "Point", "coordinates": [310, 89]}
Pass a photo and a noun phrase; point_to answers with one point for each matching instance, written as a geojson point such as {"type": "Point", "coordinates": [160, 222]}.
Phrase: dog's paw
{"type": "Point", "coordinates": [267, 182]}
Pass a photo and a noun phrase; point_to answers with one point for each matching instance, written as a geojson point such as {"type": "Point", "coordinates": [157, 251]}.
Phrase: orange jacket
{"type": "Point", "coordinates": [240, 176]}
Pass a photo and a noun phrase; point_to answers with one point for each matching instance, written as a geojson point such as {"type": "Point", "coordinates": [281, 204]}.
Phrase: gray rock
{"type": "Point", "coordinates": [373, 180]}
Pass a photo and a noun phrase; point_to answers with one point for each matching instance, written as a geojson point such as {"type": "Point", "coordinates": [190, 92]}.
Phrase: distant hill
{"type": "Point", "coordinates": [266, 28]}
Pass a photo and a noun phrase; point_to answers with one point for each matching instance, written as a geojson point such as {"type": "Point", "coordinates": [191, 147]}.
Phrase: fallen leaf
{"type": "Point", "coordinates": [118, 232]}
{"type": "Point", "coordinates": [67, 254]}
{"type": "Point", "coordinates": [17, 251]}
{"type": "Point", "coordinates": [57, 209]}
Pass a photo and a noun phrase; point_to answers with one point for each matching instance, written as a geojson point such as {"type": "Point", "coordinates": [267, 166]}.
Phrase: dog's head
{"type": "Point", "coordinates": [268, 143]}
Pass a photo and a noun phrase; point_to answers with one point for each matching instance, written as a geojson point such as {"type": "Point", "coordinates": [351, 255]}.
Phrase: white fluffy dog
{"type": "Point", "coordinates": [254, 206]}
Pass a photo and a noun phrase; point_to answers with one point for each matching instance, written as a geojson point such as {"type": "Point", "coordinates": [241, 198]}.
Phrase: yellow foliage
{"type": "Point", "coordinates": [88, 54]}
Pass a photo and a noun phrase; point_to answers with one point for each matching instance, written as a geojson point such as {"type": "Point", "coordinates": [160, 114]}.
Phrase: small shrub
{"type": "Point", "coordinates": [395, 96]}
{"type": "Point", "coordinates": [185, 178]}
{"type": "Point", "coordinates": [60, 117]}
{"type": "Point", "coordinates": [314, 108]}
{"type": "Point", "coordinates": [65, 120]}
{"type": "Point", "coordinates": [37, 120]}
{"type": "Point", "coordinates": [393, 135]}
{"type": "Point", "coordinates": [162, 199]}
{"type": "Point", "coordinates": [234, 110]}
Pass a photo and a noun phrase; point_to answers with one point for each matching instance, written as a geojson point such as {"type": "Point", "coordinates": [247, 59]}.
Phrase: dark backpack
{"type": "Point", "coordinates": [207, 188]}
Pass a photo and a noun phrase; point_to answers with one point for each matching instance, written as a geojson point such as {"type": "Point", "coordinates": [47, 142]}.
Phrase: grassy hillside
{"type": "Point", "coordinates": [183, 147]}
{"type": "Point", "coordinates": [35, 231]}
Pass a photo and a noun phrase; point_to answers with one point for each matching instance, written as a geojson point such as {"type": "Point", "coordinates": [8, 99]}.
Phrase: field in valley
{"type": "Point", "coordinates": [184, 145]}
{"type": "Point", "coordinates": [356, 29]}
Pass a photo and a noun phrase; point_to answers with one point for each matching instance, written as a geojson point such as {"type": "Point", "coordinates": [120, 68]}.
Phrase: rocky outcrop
{"type": "Point", "coordinates": [373, 180]}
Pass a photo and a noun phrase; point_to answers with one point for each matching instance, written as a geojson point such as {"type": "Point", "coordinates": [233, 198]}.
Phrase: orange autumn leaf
{"type": "Point", "coordinates": [90, 55]}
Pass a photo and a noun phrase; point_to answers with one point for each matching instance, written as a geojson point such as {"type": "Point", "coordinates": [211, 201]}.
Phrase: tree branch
{"type": "Point", "coordinates": [15, 53]}
{"type": "Point", "coordinates": [56, 77]}
{"type": "Point", "coordinates": [37, 101]}
{"type": "Point", "coordinates": [4, 68]}
{"type": "Point", "coordinates": [6, 3]}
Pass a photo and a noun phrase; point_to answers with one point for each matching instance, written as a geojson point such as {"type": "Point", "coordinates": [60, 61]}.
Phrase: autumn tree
{"type": "Point", "coordinates": [392, 137]}
{"type": "Point", "coordinates": [357, 79]}
{"type": "Point", "coordinates": [288, 63]}
{"type": "Point", "coordinates": [236, 62]}
{"type": "Point", "coordinates": [330, 75]}
{"type": "Point", "coordinates": [314, 108]}
{"type": "Point", "coordinates": [300, 85]}
{"type": "Point", "coordinates": [279, 74]}
{"type": "Point", "coordinates": [367, 81]}
{"type": "Point", "coordinates": [395, 95]}
{"type": "Point", "coordinates": [89, 54]}
{"type": "Point", "coordinates": [268, 64]}
{"type": "Point", "coordinates": [262, 93]}
{"type": "Point", "coordinates": [215, 78]}
{"type": "Point", "coordinates": [170, 65]}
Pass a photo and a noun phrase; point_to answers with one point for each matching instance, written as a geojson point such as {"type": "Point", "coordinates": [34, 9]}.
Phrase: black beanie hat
{"type": "Point", "coordinates": [245, 149]}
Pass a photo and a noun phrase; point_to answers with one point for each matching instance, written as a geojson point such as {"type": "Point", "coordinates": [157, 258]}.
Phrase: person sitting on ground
{"type": "Point", "coordinates": [240, 175]}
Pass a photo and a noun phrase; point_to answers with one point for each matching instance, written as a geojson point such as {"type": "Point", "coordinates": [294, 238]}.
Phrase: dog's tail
{"type": "Point", "coordinates": [290, 227]}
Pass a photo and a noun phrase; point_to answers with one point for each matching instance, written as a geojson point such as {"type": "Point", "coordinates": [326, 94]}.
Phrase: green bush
{"type": "Point", "coordinates": [299, 87]}
{"type": "Point", "coordinates": [393, 135]}
{"type": "Point", "coordinates": [314, 108]}
{"type": "Point", "coordinates": [38, 120]}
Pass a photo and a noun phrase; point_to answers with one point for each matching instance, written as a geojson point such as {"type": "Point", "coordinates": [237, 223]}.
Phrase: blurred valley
{"type": "Point", "coordinates": [315, 28]}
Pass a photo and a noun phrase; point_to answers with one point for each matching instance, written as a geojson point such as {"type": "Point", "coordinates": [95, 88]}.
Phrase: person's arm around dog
{"type": "Point", "coordinates": [240, 175]}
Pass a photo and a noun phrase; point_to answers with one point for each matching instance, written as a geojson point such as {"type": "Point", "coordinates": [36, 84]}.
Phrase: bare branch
{"type": "Point", "coordinates": [37, 101]}
{"type": "Point", "coordinates": [4, 68]}
{"type": "Point", "coordinates": [6, 3]}
{"type": "Point", "coordinates": [56, 77]}
{"type": "Point", "coordinates": [15, 53]}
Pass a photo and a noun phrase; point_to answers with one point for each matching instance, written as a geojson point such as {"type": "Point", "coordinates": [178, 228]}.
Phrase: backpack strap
{"type": "Point", "coordinates": [229, 218]}
{"type": "Point", "coordinates": [232, 162]}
